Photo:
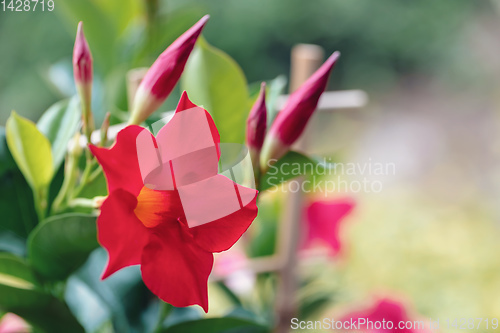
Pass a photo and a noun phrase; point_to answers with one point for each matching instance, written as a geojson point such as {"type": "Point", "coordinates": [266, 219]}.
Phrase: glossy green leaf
{"type": "Point", "coordinates": [51, 317]}
{"type": "Point", "coordinates": [18, 285]}
{"type": "Point", "coordinates": [291, 165]}
{"type": "Point", "coordinates": [59, 124]}
{"type": "Point", "coordinates": [31, 151]}
{"type": "Point", "coordinates": [218, 325]}
{"type": "Point", "coordinates": [12, 243]}
{"type": "Point", "coordinates": [6, 161]}
{"type": "Point", "coordinates": [121, 12]}
{"type": "Point", "coordinates": [100, 30]}
{"type": "Point", "coordinates": [123, 294]}
{"type": "Point", "coordinates": [21, 294]}
{"type": "Point", "coordinates": [214, 80]}
{"type": "Point", "coordinates": [61, 244]}
{"type": "Point", "coordinates": [86, 305]}
{"type": "Point", "coordinates": [16, 198]}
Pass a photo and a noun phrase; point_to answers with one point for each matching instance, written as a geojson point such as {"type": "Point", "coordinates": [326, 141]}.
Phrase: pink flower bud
{"type": "Point", "coordinates": [163, 75]}
{"type": "Point", "coordinates": [82, 58]}
{"type": "Point", "coordinates": [292, 120]}
{"type": "Point", "coordinates": [256, 127]}
{"type": "Point", "coordinates": [82, 71]}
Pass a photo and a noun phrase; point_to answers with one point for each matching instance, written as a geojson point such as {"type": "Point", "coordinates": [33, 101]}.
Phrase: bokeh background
{"type": "Point", "coordinates": [432, 73]}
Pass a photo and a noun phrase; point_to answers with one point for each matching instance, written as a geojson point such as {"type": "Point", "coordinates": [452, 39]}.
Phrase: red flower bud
{"type": "Point", "coordinates": [82, 71]}
{"type": "Point", "coordinates": [163, 75]}
{"type": "Point", "coordinates": [292, 120]}
{"type": "Point", "coordinates": [82, 58]}
{"type": "Point", "coordinates": [256, 127]}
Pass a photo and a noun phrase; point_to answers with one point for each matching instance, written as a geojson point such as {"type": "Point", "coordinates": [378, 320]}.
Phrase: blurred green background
{"type": "Point", "coordinates": [432, 72]}
{"type": "Point", "coordinates": [382, 42]}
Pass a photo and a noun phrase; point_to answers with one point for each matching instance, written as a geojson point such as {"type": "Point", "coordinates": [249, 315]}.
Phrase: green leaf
{"type": "Point", "coordinates": [7, 163]}
{"type": "Point", "coordinates": [123, 294]}
{"type": "Point", "coordinates": [12, 243]}
{"type": "Point", "coordinates": [291, 165]}
{"type": "Point", "coordinates": [218, 325]}
{"type": "Point", "coordinates": [18, 285]}
{"type": "Point", "coordinates": [122, 12]}
{"type": "Point", "coordinates": [59, 124]}
{"type": "Point", "coordinates": [100, 30]}
{"type": "Point", "coordinates": [214, 80]}
{"type": "Point", "coordinates": [86, 305]}
{"type": "Point", "coordinates": [61, 244]}
{"type": "Point", "coordinates": [262, 238]}
{"type": "Point", "coordinates": [21, 294]}
{"type": "Point", "coordinates": [16, 198]}
{"type": "Point", "coordinates": [31, 151]}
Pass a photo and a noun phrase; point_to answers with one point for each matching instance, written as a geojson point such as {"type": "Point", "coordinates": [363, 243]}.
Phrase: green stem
{"type": "Point", "coordinates": [87, 177]}
{"type": "Point", "coordinates": [164, 311]}
{"type": "Point", "coordinates": [81, 202]}
{"type": "Point", "coordinates": [70, 176]}
{"type": "Point", "coordinates": [40, 199]}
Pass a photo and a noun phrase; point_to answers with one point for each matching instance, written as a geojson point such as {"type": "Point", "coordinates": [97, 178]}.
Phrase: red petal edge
{"type": "Point", "coordinates": [220, 235]}
{"type": "Point", "coordinates": [120, 232]}
{"type": "Point", "coordinates": [175, 269]}
{"type": "Point", "coordinates": [120, 162]}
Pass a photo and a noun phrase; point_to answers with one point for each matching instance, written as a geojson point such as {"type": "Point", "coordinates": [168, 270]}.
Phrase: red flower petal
{"type": "Point", "coordinates": [190, 141]}
{"type": "Point", "coordinates": [174, 268]}
{"type": "Point", "coordinates": [121, 232]}
{"type": "Point", "coordinates": [323, 222]}
{"type": "Point", "coordinates": [220, 234]}
{"type": "Point", "coordinates": [184, 103]}
{"type": "Point", "coordinates": [120, 162]}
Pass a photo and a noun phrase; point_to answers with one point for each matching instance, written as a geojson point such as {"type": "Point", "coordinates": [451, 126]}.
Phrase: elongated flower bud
{"type": "Point", "coordinates": [256, 128]}
{"type": "Point", "coordinates": [292, 120]}
{"type": "Point", "coordinates": [82, 71]}
{"type": "Point", "coordinates": [164, 74]}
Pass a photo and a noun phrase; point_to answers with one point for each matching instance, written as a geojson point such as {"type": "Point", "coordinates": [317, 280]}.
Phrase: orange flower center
{"type": "Point", "coordinates": [155, 207]}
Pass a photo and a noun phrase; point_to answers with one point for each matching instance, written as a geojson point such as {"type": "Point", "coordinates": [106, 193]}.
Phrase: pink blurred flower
{"type": "Point", "coordinates": [233, 266]}
{"type": "Point", "coordinates": [163, 75]}
{"type": "Point", "coordinates": [292, 119]}
{"type": "Point", "coordinates": [322, 223]}
{"type": "Point", "coordinates": [387, 310]}
{"type": "Point", "coordinates": [11, 323]}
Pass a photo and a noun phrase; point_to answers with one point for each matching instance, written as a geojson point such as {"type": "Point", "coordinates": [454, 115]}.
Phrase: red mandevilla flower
{"type": "Point", "coordinates": [256, 127]}
{"type": "Point", "coordinates": [292, 120]}
{"type": "Point", "coordinates": [168, 209]}
{"type": "Point", "coordinates": [163, 75]}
